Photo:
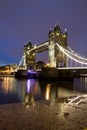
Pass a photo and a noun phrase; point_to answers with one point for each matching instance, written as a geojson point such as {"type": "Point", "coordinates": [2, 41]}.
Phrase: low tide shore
{"type": "Point", "coordinates": [43, 115]}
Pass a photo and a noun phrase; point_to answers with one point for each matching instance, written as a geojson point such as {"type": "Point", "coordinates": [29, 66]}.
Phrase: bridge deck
{"type": "Point", "coordinates": [72, 68]}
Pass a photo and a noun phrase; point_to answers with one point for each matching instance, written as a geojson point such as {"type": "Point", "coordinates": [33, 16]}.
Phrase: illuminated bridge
{"type": "Point", "coordinates": [60, 55]}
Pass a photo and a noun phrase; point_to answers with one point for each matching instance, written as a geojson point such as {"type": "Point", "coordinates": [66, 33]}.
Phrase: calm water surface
{"type": "Point", "coordinates": [13, 90]}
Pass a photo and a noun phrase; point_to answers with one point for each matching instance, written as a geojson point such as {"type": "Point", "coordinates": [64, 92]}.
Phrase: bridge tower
{"type": "Point", "coordinates": [29, 57]}
{"type": "Point", "coordinates": [56, 57]}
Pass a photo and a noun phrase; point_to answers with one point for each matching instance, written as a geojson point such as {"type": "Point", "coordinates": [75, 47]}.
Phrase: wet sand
{"type": "Point", "coordinates": [45, 116]}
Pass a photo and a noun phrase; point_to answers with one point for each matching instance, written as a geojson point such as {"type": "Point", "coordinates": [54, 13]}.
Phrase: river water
{"type": "Point", "coordinates": [15, 91]}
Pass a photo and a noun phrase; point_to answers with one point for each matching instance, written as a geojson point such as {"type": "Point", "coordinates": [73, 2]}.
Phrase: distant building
{"type": "Point", "coordinates": [7, 69]}
{"type": "Point", "coordinates": [40, 65]}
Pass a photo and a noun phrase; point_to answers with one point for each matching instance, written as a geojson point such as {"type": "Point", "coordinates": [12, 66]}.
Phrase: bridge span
{"type": "Point", "coordinates": [61, 57]}
{"type": "Point", "coordinates": [38, 48]}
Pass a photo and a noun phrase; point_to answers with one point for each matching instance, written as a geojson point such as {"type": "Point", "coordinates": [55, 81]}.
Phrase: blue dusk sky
{"type": "Point", "coordinates": [30, 20]}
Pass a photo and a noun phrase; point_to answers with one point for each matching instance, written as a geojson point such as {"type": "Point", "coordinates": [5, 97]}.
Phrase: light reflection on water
{"type": "Point", "coordinates": [13, 90]}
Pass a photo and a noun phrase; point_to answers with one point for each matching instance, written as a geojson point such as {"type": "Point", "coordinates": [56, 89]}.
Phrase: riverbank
{"type": "Point", "coordinates": [45, 116]}
{"type": "Point", "coordinates": [6, 75]}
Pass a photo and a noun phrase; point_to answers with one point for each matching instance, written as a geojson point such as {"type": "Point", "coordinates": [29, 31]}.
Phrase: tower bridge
{"type": "Point", "coordinates": [55, 56]}
{"type": "Point", "coordinates": [60, 55]}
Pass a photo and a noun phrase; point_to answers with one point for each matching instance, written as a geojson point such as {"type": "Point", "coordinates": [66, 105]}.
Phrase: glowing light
{"type": "Point", "coordinates": [48, 92]}
{"type": "Point", "coordinates": [64, 35]}
{"type": "Point", "coordinates": [65, 29]}
{"type": "Point", "coordinates": [57, 34]}
{"type": "Point", "coordinates": [72, 68]}
{"type": "Point", "coordinates": [7, 84]}
{"type": "Point", "coordinates": [47, 64]}
{"type": "Point", "coordinates": [32, 72]}
{"type": "Point", "coordinates": [34, 46]}
{"type": "Point", "coordinates": [28, 86]}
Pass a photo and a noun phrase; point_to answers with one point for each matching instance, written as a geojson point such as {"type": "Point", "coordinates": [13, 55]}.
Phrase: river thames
{"type": "Point", "coordinates": [19, 91]}
{"type": "Point", "coordinates": [43, 105]}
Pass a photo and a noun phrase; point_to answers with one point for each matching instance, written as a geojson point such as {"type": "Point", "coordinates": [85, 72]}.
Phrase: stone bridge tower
{"type": "Point", "coordinates": [29, 56]}
{"type": "Point", "coordinates": [56, 57]}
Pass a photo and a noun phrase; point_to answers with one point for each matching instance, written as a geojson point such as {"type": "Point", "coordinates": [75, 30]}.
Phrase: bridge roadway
{"type": "Point", "coordinates": [76, 71]}
{"type": "Point", "coordinates": [73, 68]}
{"type": "Point", "coordinates": [64, 73]}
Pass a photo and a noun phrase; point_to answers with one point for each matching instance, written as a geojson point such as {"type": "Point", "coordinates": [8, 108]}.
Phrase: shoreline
{"type": "Point", "coordinates": [43, 115]}
{"type": "Point", "coordinates": [7, 75]}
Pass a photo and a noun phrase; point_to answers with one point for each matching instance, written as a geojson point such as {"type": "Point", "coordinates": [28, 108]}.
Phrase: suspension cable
{"type": "Point", "coordinates": [19, 63]}
{"type": "Point", "coordinates": [67, 53]}
{"type": "Point", "coordinates": [76, 54]}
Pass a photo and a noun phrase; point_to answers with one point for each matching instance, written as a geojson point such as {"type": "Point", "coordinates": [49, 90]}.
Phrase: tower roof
{"type": "Point", "coordinates": [57, 28]}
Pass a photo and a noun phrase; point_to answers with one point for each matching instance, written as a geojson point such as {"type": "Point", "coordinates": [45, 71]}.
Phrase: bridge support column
{"type": "Point", "coordinates": [24, 63]}
{"type": "Point", "coordinates": [56, 57]}
{"type": "Point", "coordinates": [29, 57]}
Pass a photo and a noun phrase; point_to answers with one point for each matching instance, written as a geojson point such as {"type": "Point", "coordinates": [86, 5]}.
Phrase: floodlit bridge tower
{"type": "Point", "coordinates": [29, 56]}
{"type": "Point", "coordinates": [56, 57]}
